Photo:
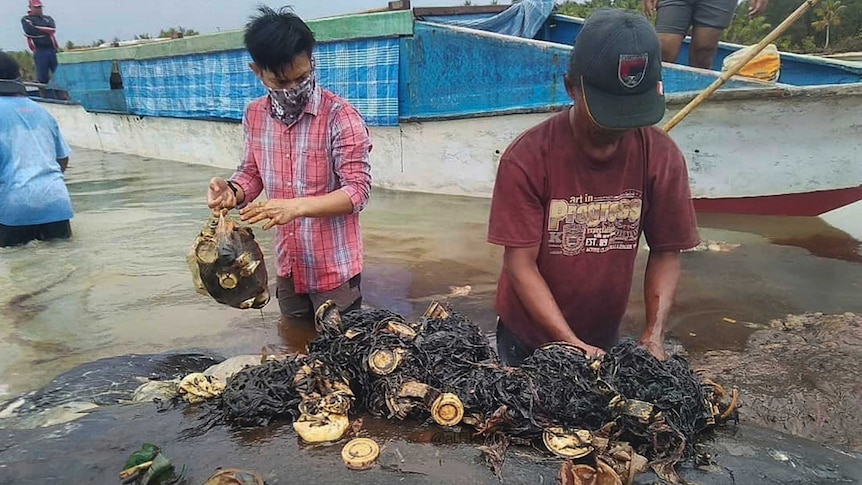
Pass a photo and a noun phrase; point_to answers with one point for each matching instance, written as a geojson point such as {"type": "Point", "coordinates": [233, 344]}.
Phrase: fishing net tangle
{"type": "Point", "coordinates": [442, 366]}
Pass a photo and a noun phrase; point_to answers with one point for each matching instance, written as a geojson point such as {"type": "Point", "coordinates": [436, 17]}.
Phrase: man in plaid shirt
{"type": "Point", "coordinates": [308, 149]}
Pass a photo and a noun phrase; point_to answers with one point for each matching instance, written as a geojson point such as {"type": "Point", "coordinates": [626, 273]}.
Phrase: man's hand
{"type": "Point", "coordinates": [219, 195]}
{"type": "Point", "coordinates": [755, 7]}
{"type": "Point", "coordinates": [655, 345]}
{"type": "Point", "coordinates": [649, 7]}
{"type": "Point", "coordinates": [278, 211]}
{"type": "Point", "coordinates": [590, 350]}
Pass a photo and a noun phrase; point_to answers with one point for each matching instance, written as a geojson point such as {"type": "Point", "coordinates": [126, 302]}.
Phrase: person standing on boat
{"type": "Point", "coordinates": [40, 31]}
{"type": "Point", "coordinates": [34, 200]}
{"type": "Point", "coordinates": [308, 149]}
{"type": "Point", "coordinates": [707, 20]}
{"type": "Point", "coordinates": [574, 193]}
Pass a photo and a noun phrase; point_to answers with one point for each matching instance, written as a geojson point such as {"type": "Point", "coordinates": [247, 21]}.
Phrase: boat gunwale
{"type": "Point", "coordinates": [390, 24]}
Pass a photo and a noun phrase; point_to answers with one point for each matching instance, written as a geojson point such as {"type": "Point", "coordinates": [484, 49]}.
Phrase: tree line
{"type": "Point", "coordinates": [831, 26]}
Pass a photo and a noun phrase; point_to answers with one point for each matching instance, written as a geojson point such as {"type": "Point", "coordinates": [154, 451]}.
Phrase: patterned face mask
{"type": "Point", "coordinates": [289, 104]}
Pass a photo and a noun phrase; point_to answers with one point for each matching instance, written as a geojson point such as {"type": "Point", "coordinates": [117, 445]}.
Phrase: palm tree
{"type": "Point", "coordinates": [829, 13]}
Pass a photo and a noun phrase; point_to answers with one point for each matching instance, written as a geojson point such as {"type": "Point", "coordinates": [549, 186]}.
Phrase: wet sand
{"type": "Point", "coordinates": [799, 376]}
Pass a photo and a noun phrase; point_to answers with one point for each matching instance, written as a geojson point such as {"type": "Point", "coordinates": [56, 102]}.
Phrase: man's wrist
{"type": "Point", "coordinates": [302, 207]}
{"type": "Point", "coordinates": [232, 187]}
{"type": "Point", "coordinates": [652, 333]}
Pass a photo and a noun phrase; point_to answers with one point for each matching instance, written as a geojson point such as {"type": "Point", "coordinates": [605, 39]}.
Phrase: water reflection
{"type": "Point", "coordinates": [295, 333]}
{"type": "Point", "coordinates": [810, 233]}
{"type": "Point", "coordinates": [121, 285]}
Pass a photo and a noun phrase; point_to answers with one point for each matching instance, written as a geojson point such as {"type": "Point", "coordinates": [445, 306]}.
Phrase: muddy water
{"type": "Point", "coordinates": [121, 285]}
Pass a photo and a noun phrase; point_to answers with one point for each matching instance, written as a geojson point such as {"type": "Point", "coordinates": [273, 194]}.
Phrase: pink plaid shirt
{"type": "Point", "coordinates": [326, 149]}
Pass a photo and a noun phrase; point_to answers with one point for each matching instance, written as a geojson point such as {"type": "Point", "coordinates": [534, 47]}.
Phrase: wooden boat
{"type": "Point", "coordinates": [444, 92]}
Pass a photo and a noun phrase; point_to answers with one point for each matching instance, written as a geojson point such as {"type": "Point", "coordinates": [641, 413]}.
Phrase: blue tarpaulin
{"type": "Point", "coordinates": [522, 19]}
{"type": "Point", "coordinates": [220, 85]}
{"type": "Point", "coordinates": [88, 83]}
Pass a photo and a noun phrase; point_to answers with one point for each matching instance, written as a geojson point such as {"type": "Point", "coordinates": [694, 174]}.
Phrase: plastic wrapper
{"type": "Point", "coordinates": [227, 264]}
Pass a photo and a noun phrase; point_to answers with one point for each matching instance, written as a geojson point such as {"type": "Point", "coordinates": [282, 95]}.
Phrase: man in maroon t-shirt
{"type": "Point", "coordinates": [574, 194]}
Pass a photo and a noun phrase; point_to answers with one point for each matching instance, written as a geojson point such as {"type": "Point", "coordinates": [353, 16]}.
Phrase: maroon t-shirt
{"type": "Point", "coordinates": [588, 217]}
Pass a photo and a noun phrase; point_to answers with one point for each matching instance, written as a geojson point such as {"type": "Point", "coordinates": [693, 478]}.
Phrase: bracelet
{"type": "Point", "coordinates": [232, 187]}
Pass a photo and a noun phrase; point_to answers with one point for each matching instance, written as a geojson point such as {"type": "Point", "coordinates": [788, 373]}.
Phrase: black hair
{"type": "Point", "coordinates": [275, 38]}
{"type": "Point", "coordinates": [9, 68]}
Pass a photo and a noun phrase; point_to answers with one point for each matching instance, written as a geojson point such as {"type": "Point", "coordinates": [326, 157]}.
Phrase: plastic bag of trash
{"type": "Point", "coordinates": [765, 66]}
{"type": "Point", "coordinates": [227, 264]}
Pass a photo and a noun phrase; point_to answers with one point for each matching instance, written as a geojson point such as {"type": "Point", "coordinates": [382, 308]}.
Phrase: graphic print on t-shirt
{"type": "Point", "coordinates": [585, 223]}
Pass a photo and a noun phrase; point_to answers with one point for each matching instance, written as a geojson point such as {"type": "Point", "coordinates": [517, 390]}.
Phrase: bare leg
{"type": "Point", "coordinates": [704, 44]}
{"type": "Point", "coordinates": [670, 46]}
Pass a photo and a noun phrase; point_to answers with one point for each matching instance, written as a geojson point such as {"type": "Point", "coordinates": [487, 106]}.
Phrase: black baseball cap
{"type": "Point", "coordinates": [616, 61]}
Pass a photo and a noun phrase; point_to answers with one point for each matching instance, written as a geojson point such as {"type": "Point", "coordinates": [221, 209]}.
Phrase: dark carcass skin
{"type": "Point", "coordinates": [228, 265]}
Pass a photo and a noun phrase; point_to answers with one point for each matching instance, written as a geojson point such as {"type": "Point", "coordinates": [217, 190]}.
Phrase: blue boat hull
{"type": "Point", "coordinates": [443, 102]}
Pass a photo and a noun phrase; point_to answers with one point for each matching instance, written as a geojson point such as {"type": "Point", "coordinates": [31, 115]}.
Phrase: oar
{"type": "Point", "coordinates": [694, 103]}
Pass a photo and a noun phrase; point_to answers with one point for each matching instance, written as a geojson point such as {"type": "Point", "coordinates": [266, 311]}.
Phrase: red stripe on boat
{"type": "Point", "coordinates": [807, 204]}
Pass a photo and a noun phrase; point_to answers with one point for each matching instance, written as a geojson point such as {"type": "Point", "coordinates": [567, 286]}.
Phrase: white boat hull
{"type": "Point", "coordinates": [780, 156]}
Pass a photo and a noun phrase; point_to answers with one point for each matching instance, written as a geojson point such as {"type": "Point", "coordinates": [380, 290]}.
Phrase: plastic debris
{"type": "Point", "coordinates": [227, 264]}
{"type": "Point", "coordinates": [234, 476]}
{"type": "Point", "coordinates": [616, 414]}
{"type": "Point", "coordinates": [360, 453]}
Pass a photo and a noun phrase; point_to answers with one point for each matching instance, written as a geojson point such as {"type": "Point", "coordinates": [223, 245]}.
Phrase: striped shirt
{"type": "Point", "coordinates": [325, 150]}
{"type": "Point", "coordinates": [40, 31]}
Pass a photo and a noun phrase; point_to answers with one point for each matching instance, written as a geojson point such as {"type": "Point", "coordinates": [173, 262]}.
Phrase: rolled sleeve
{"type": "Point", "coordinates": [351, 144]}
{"type": "Point", "coordinates": [517, 207]}
{"type": "Point", "coordinates": [247, 175]}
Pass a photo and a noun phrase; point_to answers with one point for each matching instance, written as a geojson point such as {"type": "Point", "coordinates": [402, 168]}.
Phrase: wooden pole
{"type": "Point", "coordinates": [694, 103]}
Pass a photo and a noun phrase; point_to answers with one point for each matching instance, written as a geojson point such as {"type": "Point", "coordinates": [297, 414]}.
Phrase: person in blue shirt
{"type": "Point", "coordinates": [34, 200]}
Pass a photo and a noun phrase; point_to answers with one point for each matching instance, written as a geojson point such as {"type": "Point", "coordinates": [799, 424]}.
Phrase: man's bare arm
{"type": "Point", "coordinates": [660, 280]}
{"type": "Point", "coordinates": [64, 163]}
{"type": "Point", "coordinates": [532, 289]}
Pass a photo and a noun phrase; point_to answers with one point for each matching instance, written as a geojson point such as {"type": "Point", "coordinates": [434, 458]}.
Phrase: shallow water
{"type": "Point", "coordinates": [121, 285]}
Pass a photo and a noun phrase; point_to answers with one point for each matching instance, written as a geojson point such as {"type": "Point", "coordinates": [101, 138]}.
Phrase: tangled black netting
{"type": "Point", "coordinates": [348, 350]}
{"type": "Point", "coordinates": [570, 394]}
{"type": "Point", "coordinates": [501, 398]}
{"type": "Point", "coordinates": [255, 396]}
{"type": "Point", "coordinates": [259, 394]}
{"type": "Point", "coordinates": [557, 386]}
{"type": "Point", "coordinates": [671, 386]}
{"type": "Point", "coordinates": [450, 349]}
{"type": "Point", "coordinates": [438, 352]}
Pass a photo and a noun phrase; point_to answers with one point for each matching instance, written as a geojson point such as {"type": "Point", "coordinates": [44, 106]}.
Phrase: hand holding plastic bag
{"type": "Point", "coordinates": [227, 264]}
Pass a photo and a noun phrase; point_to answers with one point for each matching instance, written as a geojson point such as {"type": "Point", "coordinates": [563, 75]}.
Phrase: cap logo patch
{"type": "Point", "coordinates": [632, 68]}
